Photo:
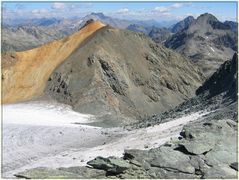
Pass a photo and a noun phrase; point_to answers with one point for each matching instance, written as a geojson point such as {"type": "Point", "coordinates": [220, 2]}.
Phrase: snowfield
{"type": "Point", "coordinates": [39, 134]}
{"type": "Point", "coordinates": [43, 113]}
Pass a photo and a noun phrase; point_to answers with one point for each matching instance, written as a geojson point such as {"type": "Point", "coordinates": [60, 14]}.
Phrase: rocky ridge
{"type": "Point", "coordinates": [207, 42]}
{"type": "Point", "coordinates": [181, 25]}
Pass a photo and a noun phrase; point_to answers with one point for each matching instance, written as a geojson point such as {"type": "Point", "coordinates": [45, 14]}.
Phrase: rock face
{"type": "Point", "coordinates": [122, 72]}
{"type": "Point", "coordinates": [207, 42]}
{"type": "Point", "coordinates": [233, 25]}
{"type": "Point", "coordinates": [223, 80]}
{"type": "Point", "coordinates": [181, 25]}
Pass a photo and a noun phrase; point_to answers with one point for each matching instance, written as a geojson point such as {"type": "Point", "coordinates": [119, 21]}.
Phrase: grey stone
{"type": "Point", "coordinates": [43, 173]}
{"type": "Point", "coordinates": [217, 157]}
{"type": "Point", "coordinates": [85, 172]}
{"type": "Point", "coordinates": [111, 164]}
{"type": "Point", "coordinates": [220, 172]}
{"type": "Point", "coordinates": [198, 147]}
{"type": "Point", "coordinates": [174, 160]}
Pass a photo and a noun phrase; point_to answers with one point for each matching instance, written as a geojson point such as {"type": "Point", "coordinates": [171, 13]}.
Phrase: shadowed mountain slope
{"type": "Point", "coordinates": [185, 23]}
{"type": "Point", "coordinates": [224, 80]}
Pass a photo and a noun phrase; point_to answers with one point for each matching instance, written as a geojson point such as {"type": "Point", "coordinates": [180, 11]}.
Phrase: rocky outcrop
{"type": "Point", "coordinates": [205, 150]}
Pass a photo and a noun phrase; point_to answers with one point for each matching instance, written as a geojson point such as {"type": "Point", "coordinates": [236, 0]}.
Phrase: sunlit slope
{"type": "Point", "coordinates": [24, 74]}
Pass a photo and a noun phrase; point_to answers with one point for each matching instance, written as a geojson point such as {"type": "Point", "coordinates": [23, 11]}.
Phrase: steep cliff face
{"type": "Point", "coordinates": [224, 80]}
{"type": "Point", "coordinates": [25, 75]}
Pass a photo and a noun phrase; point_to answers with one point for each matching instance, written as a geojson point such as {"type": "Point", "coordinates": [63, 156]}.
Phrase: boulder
{"type": "Point", "coordinates": [111, 164]}
{"type": "Point", "coordinates": [217, 157]}
{"type": "Point", "coordinates": [170, 159]}
{"type": "Point", "coordinates": [198, 147]}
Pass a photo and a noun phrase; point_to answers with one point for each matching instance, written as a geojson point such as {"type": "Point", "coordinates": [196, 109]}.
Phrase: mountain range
{"type": "Point", "coordinates": [77, 90]}
{"type": "Point", "coordinates": [97, 71]}
{"type": "Point", "coordinates": [25, 34]}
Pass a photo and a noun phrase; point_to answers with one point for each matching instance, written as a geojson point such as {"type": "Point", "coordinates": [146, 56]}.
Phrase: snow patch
{"type": "Point", "coordinates": [42, 113]}
{"type": "Point", "coordinates": [212, 49]}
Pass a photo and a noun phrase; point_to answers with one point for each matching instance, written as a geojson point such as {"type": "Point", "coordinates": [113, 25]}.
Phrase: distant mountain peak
{"type": "Point", "coordinates": [90, 21]}
{"type": "Point", "coordinates": [210, 19]}
{"type": "Point", "coordinates": [189, 17]}
{"type": "Point", "coordinates": [100, 14]}
{"type": "Point", "coordinates": [207, 16]}
{"type": "Point", "coordinates": [185, 23]}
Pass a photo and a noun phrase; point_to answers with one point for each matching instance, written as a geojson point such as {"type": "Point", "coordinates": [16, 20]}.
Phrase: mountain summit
{"type": "Point", "coordinates": [185, 23]}
{"type": "Point", "coordinates": [103, 71]}
{"type": "Point", "coordinates": [207, 42]}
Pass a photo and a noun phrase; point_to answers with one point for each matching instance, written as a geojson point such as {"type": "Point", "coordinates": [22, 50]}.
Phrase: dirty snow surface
{"type": "Point", "coordinates": [37, 134]}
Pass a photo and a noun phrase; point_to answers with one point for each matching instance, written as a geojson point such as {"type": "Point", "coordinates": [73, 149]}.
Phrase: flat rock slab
{"type": "Point", "coordinates": [168, 158]}
{"type": "Point", "coordinates": [46, 173]}
{"type": "Point", "coordinates": [220, 173]}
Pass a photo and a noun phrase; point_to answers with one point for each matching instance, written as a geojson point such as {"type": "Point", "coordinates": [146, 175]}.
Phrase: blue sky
{"type": "Point", "coordinates": [159, 11]}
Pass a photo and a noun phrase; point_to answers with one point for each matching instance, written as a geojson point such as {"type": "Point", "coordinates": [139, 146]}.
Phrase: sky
{"type": "Point", "coordinates": [159, 11]}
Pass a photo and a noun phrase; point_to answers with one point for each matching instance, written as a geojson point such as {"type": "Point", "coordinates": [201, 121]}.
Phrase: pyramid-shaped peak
{"type": "Point", "coordinates": [207, 17]}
